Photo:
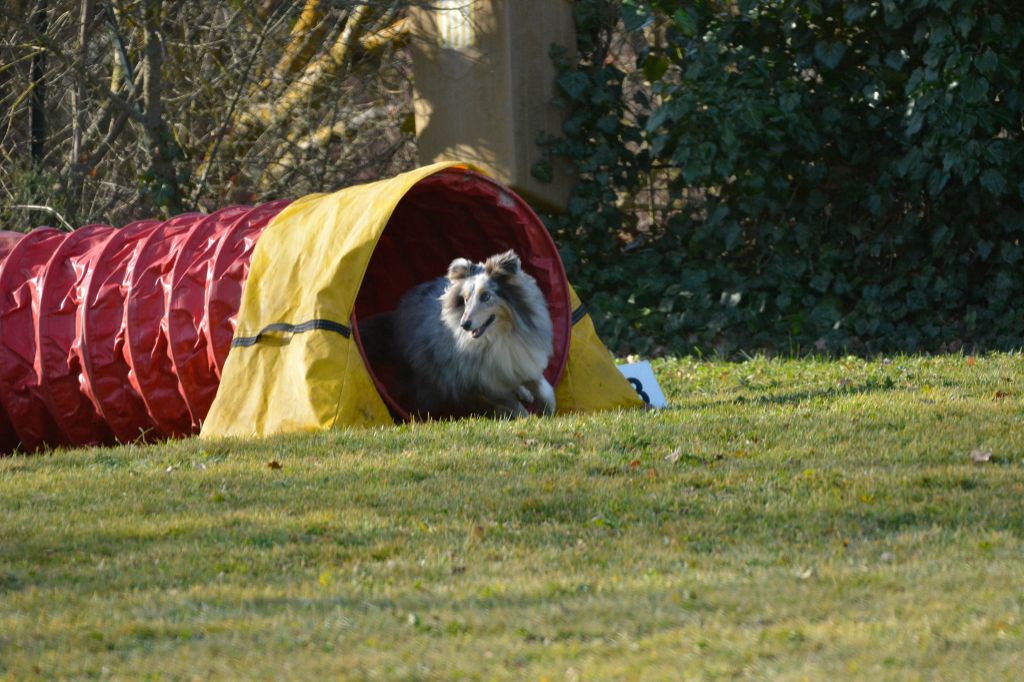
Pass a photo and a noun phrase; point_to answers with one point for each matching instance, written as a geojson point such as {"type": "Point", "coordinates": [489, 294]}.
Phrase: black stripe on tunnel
{"type": "Point", "coordinates": [311, 325]}
{"type": "Point", "coordinates": [579, 314]}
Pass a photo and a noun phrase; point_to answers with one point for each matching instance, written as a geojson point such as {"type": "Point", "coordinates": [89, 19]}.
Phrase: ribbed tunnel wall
{"type": "Point", "coordinates": [119, 334]}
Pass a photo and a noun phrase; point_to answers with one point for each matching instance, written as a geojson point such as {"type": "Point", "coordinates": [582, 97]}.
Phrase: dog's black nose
{"type": "Point", "coordinates": [467, 325]}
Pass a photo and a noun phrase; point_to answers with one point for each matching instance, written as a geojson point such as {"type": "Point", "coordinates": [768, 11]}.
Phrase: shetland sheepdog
{"type": "Point", "coordinates": [476, 341]}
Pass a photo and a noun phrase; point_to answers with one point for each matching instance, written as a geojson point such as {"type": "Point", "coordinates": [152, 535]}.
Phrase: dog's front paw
{"type": "Point", "coordinates": [545, 401]}
{"type": "Point", "coordinates": [514, 410]}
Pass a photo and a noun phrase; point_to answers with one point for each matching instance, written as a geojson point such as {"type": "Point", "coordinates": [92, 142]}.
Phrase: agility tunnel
{"type": "Point", "coordinates": [245, 322]}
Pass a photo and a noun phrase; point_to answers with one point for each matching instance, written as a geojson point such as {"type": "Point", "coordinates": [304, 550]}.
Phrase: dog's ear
{"type": "Point", "coordinates": [459, 269]}
{"type": "Point", "coordinates": [503, 265]}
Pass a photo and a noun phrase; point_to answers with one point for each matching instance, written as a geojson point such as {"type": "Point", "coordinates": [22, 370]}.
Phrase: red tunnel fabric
{"type": "Point", "coordinates": [20, 279]}
{"type": "Point", "coordinates": [185, 306]}
{"type": "Point", "coordinates": [102, 335]}
{"type": "Point", "coordinates": [230, 269]}
{"type": "Point", "coordinates": [121, 334]}
{"type": "Point", "coordinates": [152, 374]}
{"type": "Point", "coordinates": [59, 365]}
{"type": "Point", "coordinates": [8, 438]}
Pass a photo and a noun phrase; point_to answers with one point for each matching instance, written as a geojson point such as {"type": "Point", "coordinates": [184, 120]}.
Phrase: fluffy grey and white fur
{"type": "Point", "coordinates": [477, 340]}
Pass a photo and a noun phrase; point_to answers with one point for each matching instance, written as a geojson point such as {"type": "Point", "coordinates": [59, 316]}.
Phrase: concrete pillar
{"type": "Point", "coordinates": [484, 84]}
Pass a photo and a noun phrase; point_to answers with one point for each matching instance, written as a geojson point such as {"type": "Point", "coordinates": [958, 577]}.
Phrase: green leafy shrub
{"type": "Point", "coordinates": [28, 197]}
{"type": "Point", "coordinates": [822, 175]}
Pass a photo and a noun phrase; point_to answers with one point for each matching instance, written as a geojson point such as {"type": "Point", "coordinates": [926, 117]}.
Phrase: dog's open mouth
{"type": "Point", "coordinates": [479, 331]}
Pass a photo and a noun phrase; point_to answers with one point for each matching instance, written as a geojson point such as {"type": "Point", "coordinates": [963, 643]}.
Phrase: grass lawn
{"type": "Point", "coordinates": [783, 519]}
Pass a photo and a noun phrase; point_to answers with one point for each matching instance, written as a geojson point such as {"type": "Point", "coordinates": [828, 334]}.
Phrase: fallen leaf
{"type": "Point", "coordinates": [981, 456]}
{"type": "Point", "coordinates": [274, 464]}
{"type": "Point", "coordinates": [634, 465]}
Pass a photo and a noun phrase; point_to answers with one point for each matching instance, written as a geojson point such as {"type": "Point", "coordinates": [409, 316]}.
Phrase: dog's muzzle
{"type": "Point", "coordinates": [479, 331]}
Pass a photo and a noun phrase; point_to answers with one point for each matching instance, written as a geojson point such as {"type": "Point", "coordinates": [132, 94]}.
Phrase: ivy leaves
{"type": "Point", "coordinates": [830, 175]}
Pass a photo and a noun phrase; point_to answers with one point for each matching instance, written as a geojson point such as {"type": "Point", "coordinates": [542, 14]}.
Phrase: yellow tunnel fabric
{"type": "Point", "coordinates": [307, 265]}
{"type": "Point", "coordinates": [305, 274]}
{"type": "Point", "coordinates": [591, 381]}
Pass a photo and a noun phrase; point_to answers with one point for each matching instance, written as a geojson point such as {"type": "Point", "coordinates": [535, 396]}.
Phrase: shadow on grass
{"type": "Point", "coordinates": [797, 397]}
{"type": "Point", "coordinates": [710, 519]}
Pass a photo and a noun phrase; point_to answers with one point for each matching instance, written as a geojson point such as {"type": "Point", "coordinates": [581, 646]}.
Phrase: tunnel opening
{"type": "Point", "coordinates": [454, 213]}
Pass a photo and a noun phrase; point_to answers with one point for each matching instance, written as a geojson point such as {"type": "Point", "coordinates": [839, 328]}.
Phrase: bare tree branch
{"type": "Point", "coordinates": [52, 211]}
{"type": "Point", "coordinates": [51, 48]}
{"type": "Point", "coordinates": [211, 153]}
{"type": "Point", "coordinates": [306, 35]}
{"type": "Point", "coordinates": [326, 66]}
{"type": "Point", "coordinates": [216, 102]}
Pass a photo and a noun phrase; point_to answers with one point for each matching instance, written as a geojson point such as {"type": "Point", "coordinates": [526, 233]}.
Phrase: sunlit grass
{"type": "Point", "coordinates": [782, 519]}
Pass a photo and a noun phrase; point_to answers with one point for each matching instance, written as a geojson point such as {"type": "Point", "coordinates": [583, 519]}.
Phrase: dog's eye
{"type": "Point", "coordinates": [486, 296]}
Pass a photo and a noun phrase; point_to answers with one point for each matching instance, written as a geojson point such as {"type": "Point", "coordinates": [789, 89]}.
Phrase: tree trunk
{"type": "Point", "coordinates": [78, 106]}
{"type": "Point", "coordinates": [37, 108]}
{"type": "Point", "coordinates": [164, 189]}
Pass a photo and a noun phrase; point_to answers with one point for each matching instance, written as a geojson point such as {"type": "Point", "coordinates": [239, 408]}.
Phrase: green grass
{"type": "Point", "coordinates": [782, 519]}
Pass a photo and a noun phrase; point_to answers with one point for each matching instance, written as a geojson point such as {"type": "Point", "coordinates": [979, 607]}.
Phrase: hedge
{"type": "Point", "coordinates": [816, 175]}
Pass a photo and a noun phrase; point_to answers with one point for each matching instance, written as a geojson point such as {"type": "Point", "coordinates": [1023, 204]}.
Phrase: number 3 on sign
{"type": "Point", "coordinates": [640, 390]}
{"type": "Point", "coordinates": [641, 376]}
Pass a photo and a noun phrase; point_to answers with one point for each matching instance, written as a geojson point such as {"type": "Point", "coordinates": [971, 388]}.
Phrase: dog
{"type": "Point", "coordinates": [476, 341]}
